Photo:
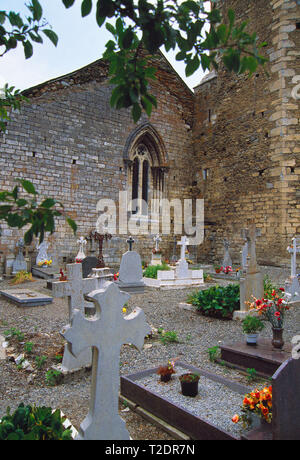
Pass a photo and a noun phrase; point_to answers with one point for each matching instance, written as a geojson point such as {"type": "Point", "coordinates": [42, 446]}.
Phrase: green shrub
{"type": "Point", "coordinates": [29, 423]}
{"type": "Point", "coordinates": [151, 270]}
{"type": "Point", "coordinates": [269, 287]}
{"type": "Point", "coordinates": [217, 301]}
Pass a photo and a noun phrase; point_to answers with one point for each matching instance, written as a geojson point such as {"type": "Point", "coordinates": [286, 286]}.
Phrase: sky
{"type": "Point", "coordinates": [81, 42]}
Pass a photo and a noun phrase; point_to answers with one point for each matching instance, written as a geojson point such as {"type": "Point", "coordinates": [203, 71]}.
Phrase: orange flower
{"type": "Point", "coordinates": [235, 418]}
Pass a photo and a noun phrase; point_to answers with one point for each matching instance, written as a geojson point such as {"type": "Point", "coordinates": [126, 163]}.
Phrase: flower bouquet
{"type": "Point", "coordinates": [257, 402]}
{"type": "Point", "coordinates": [45, 262]}
{"type": "Point", "coordinates": [166, 372]}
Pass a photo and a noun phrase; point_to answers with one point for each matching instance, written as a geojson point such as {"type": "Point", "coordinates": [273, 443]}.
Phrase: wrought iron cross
{"type": "Point", "coordinates": [100, 238]}
{"type": "Point", "coordinates": [130, 241]}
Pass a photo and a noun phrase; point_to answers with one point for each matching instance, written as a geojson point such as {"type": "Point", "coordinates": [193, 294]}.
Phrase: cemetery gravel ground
{"type": "Point", "coordinates": [195, 333]}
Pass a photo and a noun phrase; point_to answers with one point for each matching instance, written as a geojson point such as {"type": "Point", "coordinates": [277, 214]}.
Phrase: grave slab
{"type": "Point", "coordinates": [196, 426]}
{"type": "Point", "coordinates": [26, 297]}
{"type": "Point", "coordinates": [262, 357]}
{"type": "Point", "coordinates": [45, 272]}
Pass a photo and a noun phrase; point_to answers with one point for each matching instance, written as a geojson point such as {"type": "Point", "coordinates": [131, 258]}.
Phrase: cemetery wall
{"type": "Point", "coordinates": [245, 139]}
{"type": "Point", "coordinates": [70, 143]}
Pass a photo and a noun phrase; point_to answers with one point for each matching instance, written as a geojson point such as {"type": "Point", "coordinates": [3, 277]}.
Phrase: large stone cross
{"type": "Point", "coordinates": [253, 233]}
{"type": "Point", "coordinates": [184, 242]}
{"type": "Point", "coordinates": [106, 333]}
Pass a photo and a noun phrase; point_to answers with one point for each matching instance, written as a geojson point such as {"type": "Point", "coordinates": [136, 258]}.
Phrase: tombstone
{"type": "Point", "coordinates": [88, 264]}
{"type": "Point", "coordinates": [156, 253]}
{"type": "Point", "coordinates": [131, 273]}
{"type": "Point", "coordinates": [81, 255]}
{"type": "Point", "coordinates": [19, 263]}
{"type": "Point", "coordinates": [174, 256]}
{"type": "Point", "coordinates": [245, 252]}
{"type": "Point", "coordinates": [292, 285]}
{"type": "Point", "coordinates": [252, 285]}
{"type": "Point", "coordinates": [182, 267]}
{"type": "Point", "coordinates": [227, 262]}
{"type": "Point", "coordinates": [106, 333]}
{"type": "Point", "coordinates": [75, 288]}
{"type": "Point", "coordinates": [181, 277]}
{"type": "Point", "coordinates": [42, 253]}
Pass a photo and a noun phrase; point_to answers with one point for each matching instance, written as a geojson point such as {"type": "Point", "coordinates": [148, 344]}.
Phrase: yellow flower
{"type": "Point", "coordinates": [124, 310]}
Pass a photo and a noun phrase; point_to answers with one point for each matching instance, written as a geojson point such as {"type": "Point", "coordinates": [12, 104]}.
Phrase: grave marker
{"type": "Point", "coordinates": [106, 333]}
{"type": "Point", "coordinates": [292, 286]}
{"type": "Point", "coordinates": [19, 263]}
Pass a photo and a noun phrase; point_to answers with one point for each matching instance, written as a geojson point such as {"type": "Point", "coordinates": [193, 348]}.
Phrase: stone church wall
{"type": "Point", "coordinates": [245, 138]}
{"type": "Point", "coordinates": [69, 142]}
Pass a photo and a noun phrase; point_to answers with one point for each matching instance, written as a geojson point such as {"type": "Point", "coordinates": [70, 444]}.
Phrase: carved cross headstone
{"type": "Point", "coordinates": [106, 333]}
{"type": "Point", "coordinates": [100, 238]}
{"type": "Point", "coordinates": [184, 242]}
{"type": "Point", "coordinates": [81, 255]}
{"type": "Point", "coordinates": [245, 252]}
{"type": "Point", "coordinates": [227, 262]}
{"type": "Point", "coordinates": [74, 288]}
{"type": "Point", "coordinates": [130, 242]}
{"type": "Point", "coordinates": [252, 235]}
{"type": "Point", "coordinates": [157, 240]}
{"type": "Point", "coordinates": [19, 263]}
{"type": "Point", "coordinates": [294, 250]}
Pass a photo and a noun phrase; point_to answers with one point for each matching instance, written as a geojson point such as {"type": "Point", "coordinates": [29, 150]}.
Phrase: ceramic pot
{"type": "Point", "coordinates": [252, 339]}
{"type": "Point", "coordinates": [277, 341]}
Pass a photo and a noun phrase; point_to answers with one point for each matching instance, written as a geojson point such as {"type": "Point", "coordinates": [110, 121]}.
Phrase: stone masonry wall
{"type": "Point", "coordinates": [245, 139]}
{"type": "Point", "coordinates": [69, 142]}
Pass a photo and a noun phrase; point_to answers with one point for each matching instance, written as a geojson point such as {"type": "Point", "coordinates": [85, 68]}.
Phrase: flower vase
{"type": "Point", "coordinates": [277, 341]}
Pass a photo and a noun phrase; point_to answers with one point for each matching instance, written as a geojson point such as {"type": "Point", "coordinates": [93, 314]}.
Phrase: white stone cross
{"type": "Point", "coordinates": [106, 332]}
{"type": "Point", "coordinates": [157, 240]}
{"type": "Point", "coordinates": [81, 255]}
{"type": "Point", "coordinates": [184, 242]}
{"type": "Point", "coordinates": [74, 288]}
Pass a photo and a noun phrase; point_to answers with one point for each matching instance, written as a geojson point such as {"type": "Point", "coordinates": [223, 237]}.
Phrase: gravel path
{"type": "Point", "coordinates": [162, 308]}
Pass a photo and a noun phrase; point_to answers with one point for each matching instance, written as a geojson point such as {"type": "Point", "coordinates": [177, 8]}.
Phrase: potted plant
{"type": "Point", "coordinates": [252, 325]}
{"type": "Point", "coordinates": [189, 384]}
{"type": "Point", "coordinates": [218, 268]}
{"type": "Point", "coordinates": [273, 310]}
{"type": "Point", "coordinates": [166, 371]}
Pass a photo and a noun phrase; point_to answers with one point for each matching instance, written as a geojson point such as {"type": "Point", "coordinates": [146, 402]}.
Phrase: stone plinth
{"type": "Point", "coordinates": [262, 357]}
{"type": "Point", "coordinates": [171, 279]}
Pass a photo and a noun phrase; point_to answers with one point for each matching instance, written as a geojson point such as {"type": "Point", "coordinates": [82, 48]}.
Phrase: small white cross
{"type": "Point", "coordinates": [184, 242]}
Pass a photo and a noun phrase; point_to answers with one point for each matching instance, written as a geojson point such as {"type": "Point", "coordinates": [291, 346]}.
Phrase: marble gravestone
{"type": "Point", "coordinates": [156, 253]}
{"type": "Point", "coordinates": [88, 264]}
{"type": "Point", "coordinates": [19, 263]}
{"type": "Point", "coordinates": [81, 255]}
{"type": "Point", "coordinates": [131, 272]}
{"type": "Point", "coordinates": [227, 262]}
{"type": "Point", "coordinates": [42, 253]}
{"type": "Point", "coordinates": [253, 284]}
{"type": "Point", "coordinates": [105, 334]}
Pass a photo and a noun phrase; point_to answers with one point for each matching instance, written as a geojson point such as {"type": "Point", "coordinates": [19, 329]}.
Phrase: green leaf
{"type": "Point", "coordinates": [192, 66]}
{"type": "Point", "coordinates": [72, 224]}
{"type": "Point", "coordinates": [28, 186]}
{"type": "Point", "coordinates": [86, 7]}
{"type": "Point", "coordinates": [48, 203]}
{"type": "Point", "coordinates": [231, 16]}
{"type": "Point", "coordinates": [51, 35]}
{"type": "Point", "coordinates": [28, 49]}
{"type": "Point", "coordinates": [136, 112]}
{"type": "Point", "coordinates": [68, 3]}
{"type": "Point", "coordinates": [37, 10]}
{"type": "Point", "coordinates": [127, 38]}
